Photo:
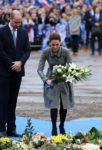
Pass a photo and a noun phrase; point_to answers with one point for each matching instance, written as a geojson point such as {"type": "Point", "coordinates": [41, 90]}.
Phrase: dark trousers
{"type": "Point", "coordinates": [93, 44]}
{"type": "Point", "coordinates": [87, 37]}
{"type": "Point", "coordinates": [75, 43]}
{"type": "Point", "coordinates": [62, 113]}
{"type": "Point", "coordinates": [9, 89]}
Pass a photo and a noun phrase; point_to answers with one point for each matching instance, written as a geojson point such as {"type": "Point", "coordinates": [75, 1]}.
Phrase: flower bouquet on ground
{"type": "Point", "coordinates": [92, 140]}
{"type": "Point", "coordinates": [70, 73]}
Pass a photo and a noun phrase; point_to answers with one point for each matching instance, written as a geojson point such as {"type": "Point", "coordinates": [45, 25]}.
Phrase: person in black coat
{"type": "Point", "coordinates": [96, 22]}
{"type": "Point", "coordinates": [1, 16]}
{"type": "Point", "coordinates": [88, 18]}
{"type": "Point", "coordinates": [14, 52]}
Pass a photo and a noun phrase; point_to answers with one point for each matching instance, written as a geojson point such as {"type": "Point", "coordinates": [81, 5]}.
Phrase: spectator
{"type": "Point", "coordinates": [1, 16]}
{"type": "Point", "coordinates": [88, 19]}
{"type": "Point", "coordinates": [96, 19]}
{"type": "Point", "coordinates": [51, 19]}
{"type": "Point", "coordinates": [74, 25]}
{"type": "Point", "coordinates": [27, 21]}
{"type": "Point", "coordinates": [6, 18]}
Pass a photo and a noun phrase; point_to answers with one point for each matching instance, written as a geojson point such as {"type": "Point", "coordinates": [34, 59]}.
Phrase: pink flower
{"type": "Point", "coordinates": [76, 146]}
{"type": "Point", "coordinates": [84, 140]}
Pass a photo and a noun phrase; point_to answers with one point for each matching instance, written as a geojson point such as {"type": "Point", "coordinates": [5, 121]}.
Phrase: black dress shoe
{"type": "Point", "coordinates": [13, 133]}
{"type": "Point", "coordinates": [62, 130]}
{"type": "Point", "coordinates": [54, 132]}
{"type": "Point", "coordinates": [3, 134]}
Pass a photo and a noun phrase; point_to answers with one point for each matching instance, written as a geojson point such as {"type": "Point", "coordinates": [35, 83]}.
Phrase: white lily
{"type": "Point", "coordinates": [73, 65]}
{"type": "Point", "coordinates": [69, 79]}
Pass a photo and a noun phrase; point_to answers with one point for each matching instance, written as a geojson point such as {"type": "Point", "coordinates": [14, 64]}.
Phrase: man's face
{"type": "Point", "coordinates": [16, 22]}
{"type": "Point", "coordinates": [55, 45]}
{"type": "Point", "coordinates": [97, 10]}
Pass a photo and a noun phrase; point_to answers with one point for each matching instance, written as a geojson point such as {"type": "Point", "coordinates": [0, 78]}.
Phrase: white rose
{"type": "Point", "coordinates": [59, 70]}
{"type": "Point", "coordinates": [90, 146]}
{"type": "Point", "coordinates": [64, 76]}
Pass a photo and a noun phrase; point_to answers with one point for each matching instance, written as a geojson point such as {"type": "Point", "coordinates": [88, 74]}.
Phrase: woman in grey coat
{"type": "Point", "coordinates": [60, 94]}
{"type": "Point", "coordinates": [74, 25]}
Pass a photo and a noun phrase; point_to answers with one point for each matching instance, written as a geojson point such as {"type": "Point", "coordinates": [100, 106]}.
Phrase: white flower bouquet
{"type": "Point", "coordinates": [90, 146]}
{"type": "Point", "coordinates": [70, 73]}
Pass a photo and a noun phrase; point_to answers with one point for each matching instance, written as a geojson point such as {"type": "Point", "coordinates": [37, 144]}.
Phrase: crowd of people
{"type": "Point", "coordinates": [63, 17]}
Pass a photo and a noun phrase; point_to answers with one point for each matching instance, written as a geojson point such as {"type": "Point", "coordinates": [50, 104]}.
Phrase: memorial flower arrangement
{"type": "Point", "coordinates": [60, 139]}
{"type": "Point", "coordinates": [4, 143]}
{"type": "Point", "coordinates": [92, 140]}
{"type": "Point", "coordinates": [70, 73]}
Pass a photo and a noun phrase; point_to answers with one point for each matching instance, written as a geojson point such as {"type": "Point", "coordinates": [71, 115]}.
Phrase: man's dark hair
{"type": "Point", "coordinates": [54, 36]}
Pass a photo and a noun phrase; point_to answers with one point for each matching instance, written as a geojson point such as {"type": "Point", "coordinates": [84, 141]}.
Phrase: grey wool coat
{"type": "Point", "coordinates": [61, 90]}
{"type": "Point", "coordinates": [75, 23]}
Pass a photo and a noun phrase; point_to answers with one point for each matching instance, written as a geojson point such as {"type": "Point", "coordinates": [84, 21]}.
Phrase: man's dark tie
{"type": "Point", "coordinates": [14, 37]}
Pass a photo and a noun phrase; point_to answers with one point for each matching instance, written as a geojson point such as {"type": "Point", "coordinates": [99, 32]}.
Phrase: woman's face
{"type": "Point", "coordinates": [55, 45]}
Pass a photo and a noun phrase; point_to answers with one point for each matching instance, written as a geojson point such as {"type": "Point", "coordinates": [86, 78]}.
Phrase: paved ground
{"type": "Point", "coordinates": [88, 94]}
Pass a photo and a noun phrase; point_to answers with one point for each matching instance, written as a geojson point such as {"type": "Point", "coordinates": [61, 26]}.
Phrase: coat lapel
{"type": "Point", "coordinates": [8, 32]}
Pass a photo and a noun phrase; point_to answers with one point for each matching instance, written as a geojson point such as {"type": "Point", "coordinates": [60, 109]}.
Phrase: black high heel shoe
{"type": "Point", "coordinates": [54, 132]}
{"type": "Point", "coordinates": [62, 130]}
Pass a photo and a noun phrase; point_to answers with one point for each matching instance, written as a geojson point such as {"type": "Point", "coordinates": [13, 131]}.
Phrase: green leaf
{"type": "Point", "coordinates": [79, 135]}
{"type": "Point", "coordinates": [29, 129]}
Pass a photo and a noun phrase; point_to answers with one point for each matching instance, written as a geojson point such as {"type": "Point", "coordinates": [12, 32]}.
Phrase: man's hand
{"type": "Point", "coordinates": [16, 66]}
{"type": "Point", "coordinates": [97, 24]}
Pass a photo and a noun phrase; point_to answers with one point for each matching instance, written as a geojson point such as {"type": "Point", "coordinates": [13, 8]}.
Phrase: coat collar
{"type": "Point", "coordinates": [58, 54]}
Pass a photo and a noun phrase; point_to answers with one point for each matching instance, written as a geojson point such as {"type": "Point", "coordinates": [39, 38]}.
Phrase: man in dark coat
{"type": "Point", "coordinates": [96, 24]}
{"type": "Point", "coordinates": [88, 18]}
{"type": "Point", "coordinates": [1, 16]}
{"type": "Point", "coordinates": [14, 52]}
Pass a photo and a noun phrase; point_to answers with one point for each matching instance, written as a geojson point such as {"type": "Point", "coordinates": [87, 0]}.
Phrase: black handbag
{"type": "Point", "coordinates": [96, 31]}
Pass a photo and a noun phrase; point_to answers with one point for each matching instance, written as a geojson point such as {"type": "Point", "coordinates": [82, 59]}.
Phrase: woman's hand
{"type": "Point", "coordinates": [49, 82]}
{"type": "Point", "coordinates": [73, 30]}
